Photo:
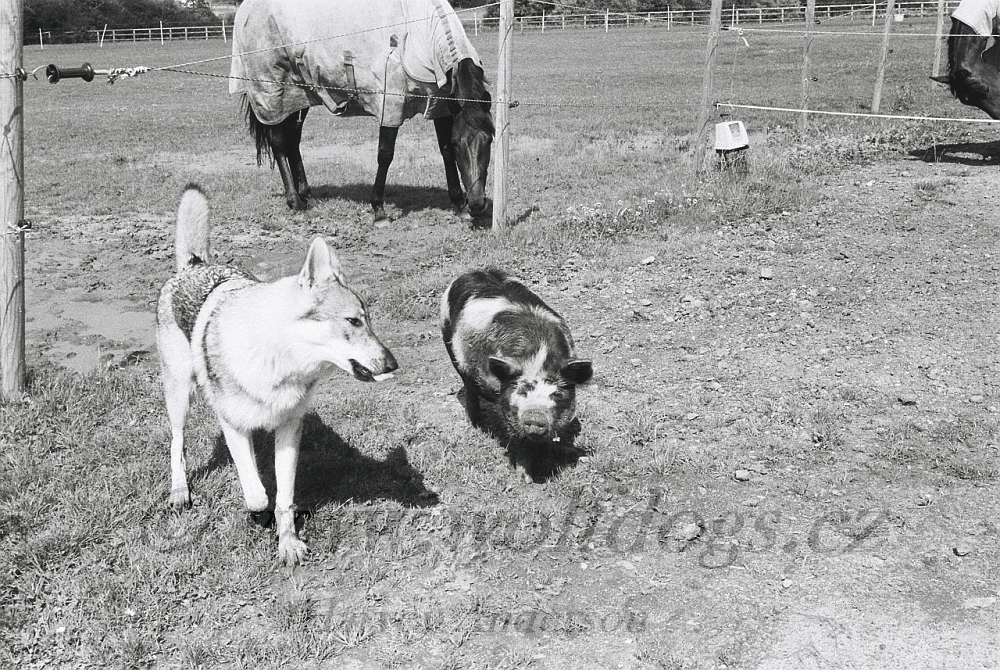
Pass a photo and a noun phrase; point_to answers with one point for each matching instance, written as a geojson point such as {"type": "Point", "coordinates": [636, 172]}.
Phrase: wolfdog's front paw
{"type": "Point", "coordinates": [180, 498]}
{"type": "Point", "coordinates": [291, 550]}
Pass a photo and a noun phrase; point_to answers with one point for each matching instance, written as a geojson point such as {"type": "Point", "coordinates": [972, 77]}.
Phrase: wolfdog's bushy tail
{"type": "Point", "coordinates": [191, 245]}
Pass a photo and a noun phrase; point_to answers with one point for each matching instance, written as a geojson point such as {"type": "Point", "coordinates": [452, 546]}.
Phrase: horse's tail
{"type": "Point", "coordinates": [261, 131]}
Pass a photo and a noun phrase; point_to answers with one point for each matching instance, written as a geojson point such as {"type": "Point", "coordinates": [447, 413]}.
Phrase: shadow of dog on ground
{"type": "Point", "coordinates": [331, 471]}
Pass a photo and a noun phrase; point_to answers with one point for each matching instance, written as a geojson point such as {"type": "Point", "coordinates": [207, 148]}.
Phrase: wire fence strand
{"type": "Point", "coordinates": [736, 30]}
{"type": "Point", "coordinates": [898, 117]}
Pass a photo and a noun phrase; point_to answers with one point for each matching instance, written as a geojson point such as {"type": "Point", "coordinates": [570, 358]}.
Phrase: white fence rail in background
{"type": "Point", "coordinates": [166, 34]}
{"type": "Point", "coordinates": [741, 16]}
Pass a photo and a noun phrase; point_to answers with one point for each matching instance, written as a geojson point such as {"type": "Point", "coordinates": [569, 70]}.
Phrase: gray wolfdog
{"type": "Point", "coordinates": [256, 350]}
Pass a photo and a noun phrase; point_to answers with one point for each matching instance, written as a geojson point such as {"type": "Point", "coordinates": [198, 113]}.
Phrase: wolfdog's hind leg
{"type": "Point", "coordinates": [178, 384]}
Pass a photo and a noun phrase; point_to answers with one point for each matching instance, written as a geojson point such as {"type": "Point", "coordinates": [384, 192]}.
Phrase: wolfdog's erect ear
{"type": "Point", "coordinates": [321, 266]}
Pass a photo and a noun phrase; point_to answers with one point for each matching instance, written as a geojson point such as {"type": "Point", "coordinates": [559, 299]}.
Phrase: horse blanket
{"type": "Point", "coordinates": [352, 56]}
{"type": "Point", "coordinates": [980, 15]}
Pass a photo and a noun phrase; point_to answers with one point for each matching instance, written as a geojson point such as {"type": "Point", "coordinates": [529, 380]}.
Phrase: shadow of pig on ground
{"type": "Point", "coordinates": [544, 458]}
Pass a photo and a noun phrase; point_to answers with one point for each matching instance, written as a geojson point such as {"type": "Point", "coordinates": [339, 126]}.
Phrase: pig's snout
{"type": "Point", "coordinates": [535, 423]}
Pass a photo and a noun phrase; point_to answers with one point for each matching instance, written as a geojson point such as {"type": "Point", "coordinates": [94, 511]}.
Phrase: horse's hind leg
{"type": "Point", "coordinates": [386, 152]}
{"type": "Point", "coordinates": [284, 140]}
{"type": "Point", "coordinates": [443, 128]}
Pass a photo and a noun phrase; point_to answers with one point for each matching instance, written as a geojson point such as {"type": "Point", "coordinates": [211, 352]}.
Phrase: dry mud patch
{"type": "Point", "coordinates": [793, 443]}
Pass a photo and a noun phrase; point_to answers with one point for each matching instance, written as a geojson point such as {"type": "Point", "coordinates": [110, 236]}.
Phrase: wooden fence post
{"type": "Point", "coordinates": [502, 153]}
{"type": "Point", "coordinates": [807, 64]}
{"type": "Point", "coordinates": [11, 200]}
{"type": "Point", "coordinates": [880, 75]}
{"type": "Point", "coordinates": [938, 39]}
{"type": "Point", "coordinates": [708, 83]}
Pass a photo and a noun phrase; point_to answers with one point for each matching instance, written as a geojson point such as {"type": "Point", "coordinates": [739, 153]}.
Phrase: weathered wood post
{"type": "Point", "coordinates": [807, 63]}
{"type": "Point", "coordinates": [880, 75]}
{"type": "Point", "coordinates": [708, 84]}
{"type": "Point", "coordinates": [11, 200]}
{"type": "Point", "coordinates": [939, 35]}
{"type": "Point", "coordinates": [502, 153]}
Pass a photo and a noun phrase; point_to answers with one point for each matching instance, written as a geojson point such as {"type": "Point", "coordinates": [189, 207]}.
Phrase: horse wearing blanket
{"type": "Point", "coordinates": [973, 69]}
{"type": "Point", "coordinates": [391, 59]}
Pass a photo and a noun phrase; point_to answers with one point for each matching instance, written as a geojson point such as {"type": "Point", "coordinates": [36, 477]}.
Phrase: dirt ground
{"type": "Point", "coordinates": [862, 532]}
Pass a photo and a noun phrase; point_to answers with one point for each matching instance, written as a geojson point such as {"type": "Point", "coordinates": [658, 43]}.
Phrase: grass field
{"type": "Point", "coordinates": [790, 444]}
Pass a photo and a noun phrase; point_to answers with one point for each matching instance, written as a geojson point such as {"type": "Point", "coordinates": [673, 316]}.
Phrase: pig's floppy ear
{"type": "Point", "coordinates": [321, 267]}
{"type": "Point", "coordinates": [577, 371]}
{"type": "Point", "coordinates": [503, 370]}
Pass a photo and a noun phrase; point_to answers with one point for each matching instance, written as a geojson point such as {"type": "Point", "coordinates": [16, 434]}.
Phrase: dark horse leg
{"type": "Point", "coordinates": [386, 152]}
{"type": "Point", "coordinates": [284, 140]}
{"type": "Point", "coordinates": [443, 128]}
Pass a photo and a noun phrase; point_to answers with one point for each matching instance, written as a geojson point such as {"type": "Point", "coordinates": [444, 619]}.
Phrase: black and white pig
{"type": "Point", "coordinates": [512, 349]}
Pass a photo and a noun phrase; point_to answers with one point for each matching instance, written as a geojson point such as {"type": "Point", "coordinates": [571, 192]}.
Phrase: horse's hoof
{"type": "Point", "coordinates": [380, 215]}
{"type": "Point", "coordinates": [485, 212]}
{"type": "Point", "coordinates": [297, 204]}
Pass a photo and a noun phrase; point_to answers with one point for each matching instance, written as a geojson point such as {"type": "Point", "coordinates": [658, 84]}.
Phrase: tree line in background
{"type": "Point", "coordinates": [68, 20]}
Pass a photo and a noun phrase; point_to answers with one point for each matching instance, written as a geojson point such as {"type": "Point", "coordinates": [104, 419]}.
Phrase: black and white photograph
{"type": "Point", "coordinates": [528, 334]}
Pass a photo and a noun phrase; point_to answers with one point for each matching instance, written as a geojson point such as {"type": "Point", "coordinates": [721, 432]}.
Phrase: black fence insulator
{"type": "Point", "coordinates": [84, 72]}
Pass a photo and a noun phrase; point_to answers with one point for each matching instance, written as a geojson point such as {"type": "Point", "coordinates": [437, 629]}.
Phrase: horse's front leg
{"type": "Point", "coordinates": [386, 152]}
{"type": "Point", "coordinates": [298, 168]}
{"type": "Point", "coordinates": [284, 140]}
{"type": "Point", "coordinates": [443, 128]}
